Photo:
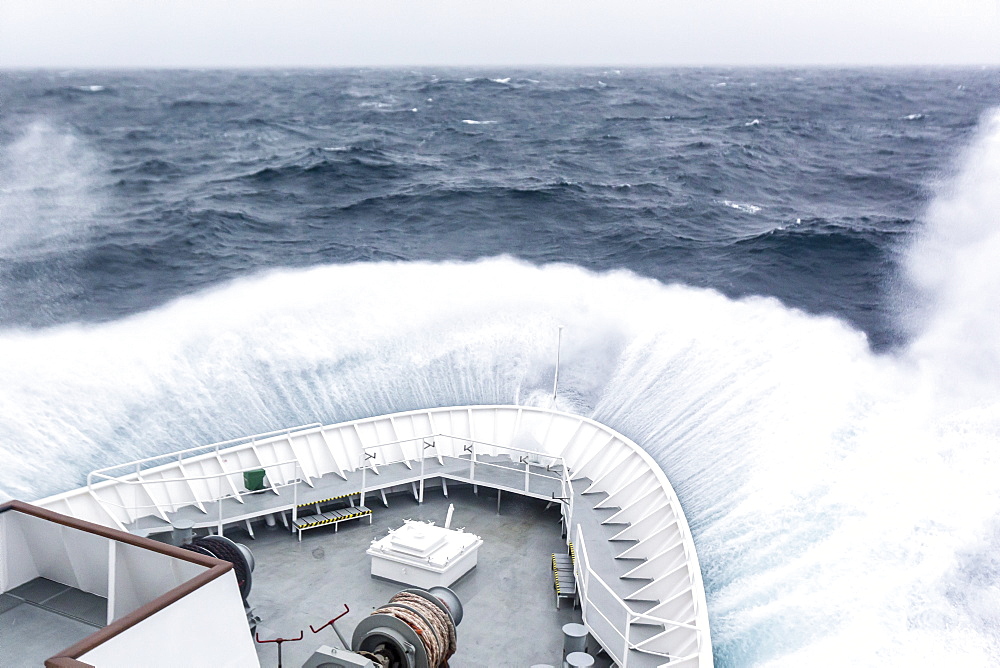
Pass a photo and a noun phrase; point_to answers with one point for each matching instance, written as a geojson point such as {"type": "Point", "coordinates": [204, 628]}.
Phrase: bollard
{"type": "Point", "coordinates": [183, 532]}
{"type": "Point", "coordinates": [574, 639]}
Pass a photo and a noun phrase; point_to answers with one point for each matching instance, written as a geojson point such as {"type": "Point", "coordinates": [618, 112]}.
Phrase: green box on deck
{"type": "Point", "coordinates": [254, 480]}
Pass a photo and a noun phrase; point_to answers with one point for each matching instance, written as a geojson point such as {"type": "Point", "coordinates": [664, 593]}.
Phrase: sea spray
{"type": "Point", "coordinates": [51, 206]}
{"type": "Point", "coordinates": [48, 191]}
{"type": "Point", "coordinates": [827, 503]}
{"type": "Point", "coordinates": [954, 276]}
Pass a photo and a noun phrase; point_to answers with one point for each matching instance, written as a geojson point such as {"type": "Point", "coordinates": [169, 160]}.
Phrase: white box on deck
{"type": "Point", "coordinates": [424, 555]}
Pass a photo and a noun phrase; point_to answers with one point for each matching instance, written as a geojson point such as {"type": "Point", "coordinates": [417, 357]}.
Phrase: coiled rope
{"type": "Point", "coordinates": [431, 624]}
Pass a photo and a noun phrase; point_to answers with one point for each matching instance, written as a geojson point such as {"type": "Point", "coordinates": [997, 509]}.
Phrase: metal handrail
{"type": "Point", "coordinates": [508, 468]}
{"type": "Point", "coordinates": [488, 444]}
{"type": "Point", "coordinates": [140, 481]}
{"type": "Point", "coordinates": [180, 453]}
{"type": "Point", "coordinates": [134, 477]}
{"type": "Point", "coordinates": [205, 477]}
{"type": "Point", "coordinates": [631, 614]}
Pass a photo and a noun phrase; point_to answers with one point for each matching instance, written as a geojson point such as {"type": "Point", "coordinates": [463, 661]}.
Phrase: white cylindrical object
{"type": "Point", "coordinates": [579, 660]}
{"type": "Point", "coordinates": [183, 532]}
{"type": "Point", "coordinates": [451, 511]}
{"type": "Point", "coordinates": [574, 639]}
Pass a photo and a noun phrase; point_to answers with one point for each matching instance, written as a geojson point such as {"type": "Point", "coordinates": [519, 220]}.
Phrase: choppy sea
{"type": "Point", "coordinates": [785, 284]}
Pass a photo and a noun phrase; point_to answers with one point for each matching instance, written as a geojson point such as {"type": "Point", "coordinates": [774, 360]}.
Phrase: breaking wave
{"type": "Point", "coordinates": [844, 503]}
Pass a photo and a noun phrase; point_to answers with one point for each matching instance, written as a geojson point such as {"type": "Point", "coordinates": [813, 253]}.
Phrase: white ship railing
{"type": "Point", "coordinates": [155, 510]}
{"type": "Point", "coordinates": [599, 604]}
{"type": "Point", "coordinates": [475, 448]}
{"type": "Point", "coordinates": [550, 454]}
{"type": "Point", "coordinates": [137, 465]}
{"type": "Point", "coordinates": [530, 460]}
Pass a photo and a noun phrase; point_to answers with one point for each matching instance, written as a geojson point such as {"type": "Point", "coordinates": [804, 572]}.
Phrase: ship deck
{"type": "Point", "coordinates": [508, 599]}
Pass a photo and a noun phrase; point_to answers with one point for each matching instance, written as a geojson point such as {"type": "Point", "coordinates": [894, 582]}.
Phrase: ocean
{"type": "Point", "coordinates": [783, 283]}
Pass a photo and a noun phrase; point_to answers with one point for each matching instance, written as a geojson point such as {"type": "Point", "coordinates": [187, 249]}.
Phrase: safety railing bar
{"type": "Point", "coordinates": [594, 608]}
{"type": "Point", "coordinates": [217, 499]}
{"type": "Point", "coordinates": [489, 444]}
{"type": "Point", "coordinates": [502, 447]}
{"type": "Point", "coordinates": [664, 620]}
{"type": "Point", "coordinates": [582, 547]}
{"type": "Point", "coordinates": [127, 481]}
{"type": "Point", "coordinates": [175, 453]}
{"type": "Point", "coordinates": [480, 462]}
{"type": "Point", "coordinates": [104, 472]}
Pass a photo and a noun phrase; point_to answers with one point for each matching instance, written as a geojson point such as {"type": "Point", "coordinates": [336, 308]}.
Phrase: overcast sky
{"type": "Point", "coordinates": [332, 33]}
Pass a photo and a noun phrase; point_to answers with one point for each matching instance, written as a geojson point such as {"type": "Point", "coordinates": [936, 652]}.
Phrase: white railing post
{"type": "Point", "coordinates": [364, 467]}
{"type": "Point", "coordinates": [625, 649]}
{"type": "Point", "coordinates": [112, 580]}
{"type": "Point", "coordinates": [422, 454]}
{"type": "Point", "coordinates": [295, 504]}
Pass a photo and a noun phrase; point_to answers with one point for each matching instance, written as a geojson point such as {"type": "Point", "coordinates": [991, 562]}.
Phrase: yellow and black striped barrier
{"type": "Point", "coordinates": [332, 498]}
{"type": "Point", "coordinates": [334, 517]}
{"type": "Point", "coordinates": [563, 579]}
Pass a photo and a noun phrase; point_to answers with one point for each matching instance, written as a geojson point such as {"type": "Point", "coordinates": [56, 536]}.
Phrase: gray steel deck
{"type": "Point", "coordinates": [40, 618]}
{"type": "Point", "coordinates": [510, 614]}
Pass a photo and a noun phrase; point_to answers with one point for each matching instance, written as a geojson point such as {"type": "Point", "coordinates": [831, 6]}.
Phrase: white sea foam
{"type": "Point", "coordinates": [745, 207]}
{"type": "Point", "coordinates": [755, 121]}
{"type": "Point", "coordinates": [954, 271]}
{"type": "Point", "coordinates": [844, 504]}
{"type": "Point", "coordinates": [469, 121]}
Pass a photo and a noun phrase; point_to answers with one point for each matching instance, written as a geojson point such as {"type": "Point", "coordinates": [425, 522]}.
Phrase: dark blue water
{"type": "Point", "coordinates": [802, 185]}
{"type": "Point", "coordinates": [782, 283]}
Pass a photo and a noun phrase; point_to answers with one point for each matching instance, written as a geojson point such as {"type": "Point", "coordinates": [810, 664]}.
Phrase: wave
{"type": "Point", "coordinates": [744, 207]}
{"type": "Point", "coordinates": [333, 162]}
{"type": "Point", "coordinates": [637, 119]}
{"type": "Point", "coordinates": [481, 80]}
{"type": "Point", "coordinates": [419, 200]}
{"type": "Point", "coordinates": [154, 167]}
{"type": "Point", "coordinates": [794, 449]}
{"type": "Point", "coordinates": [78, 92]}
{"type": "Point", "coordinates": [202, 103]}
{"type": "Point", "coordinates": [814, 239]}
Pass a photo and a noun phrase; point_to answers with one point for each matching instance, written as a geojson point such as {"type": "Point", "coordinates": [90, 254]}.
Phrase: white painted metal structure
{"type": "Point", "coordinates": [424, 555]}
{"type": "Point", "coordinates": [162, 610]}
{"type": "Point", "coordinates": [639, 580]}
